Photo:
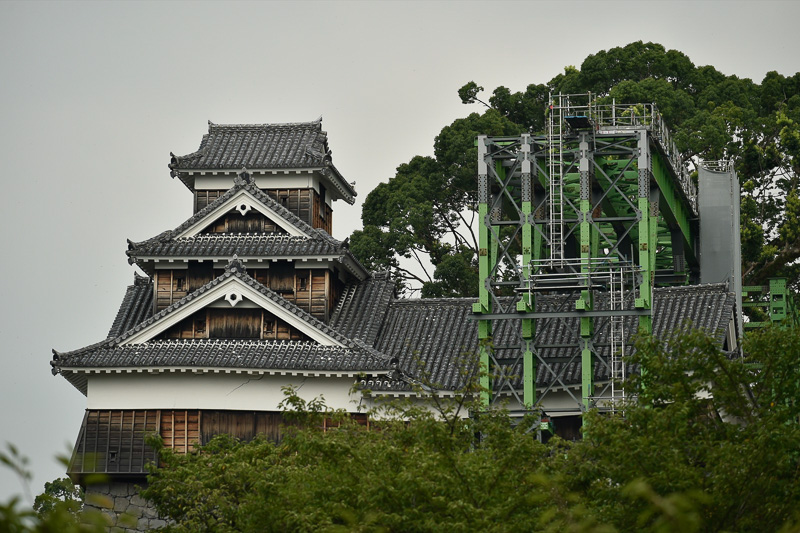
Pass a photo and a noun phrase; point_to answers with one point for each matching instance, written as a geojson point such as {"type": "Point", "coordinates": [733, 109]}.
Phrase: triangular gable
{"type": "Point", "coordinates": [243, 201]}
{"type": "Point", "coordinates": [235, 288]}
{"type": "Point", "coordinates": [244, 193]}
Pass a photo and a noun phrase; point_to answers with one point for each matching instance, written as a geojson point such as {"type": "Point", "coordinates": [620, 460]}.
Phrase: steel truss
{"type": "Point", "coordinates": [577, 226]}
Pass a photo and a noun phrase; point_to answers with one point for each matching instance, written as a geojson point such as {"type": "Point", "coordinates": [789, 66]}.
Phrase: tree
{"type": "Point", "coordinates": [425, 213]}
{"type": "Point", "coordinates": [711, 445]}
{"type": "Point", "coordinates": [59, 493]}
{"type": "Point", "coordinates": [57, 510]}
{"type": "Point", "coordinates": [713, 116]}
{"type": "Point", "coordinates": [716, 434]}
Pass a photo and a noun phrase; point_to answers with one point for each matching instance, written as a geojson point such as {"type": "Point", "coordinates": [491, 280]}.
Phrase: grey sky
{"type": "Point", "coordinates": [94, 96]}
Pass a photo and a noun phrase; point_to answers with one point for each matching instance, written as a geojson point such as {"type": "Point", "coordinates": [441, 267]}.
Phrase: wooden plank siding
{"type": "Point", "coordinates": [113, 442]}
{"type": "Point", "coordinates": [313, 290]}
{"type": "Point", "coordinates": [306, 204]}
{"type": "Point", "coordinates": [242, 323]}
{"type": "Point", "coordinates": [235, 222]}
{"type": "Point", "coordinates": [180, 430]}
{"type": "Point", "coordinates": [203, 198]}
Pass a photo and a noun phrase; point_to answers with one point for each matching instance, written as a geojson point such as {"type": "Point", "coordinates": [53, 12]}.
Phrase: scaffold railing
{"type": "Point", "coordinates": [617, 118]}
{"type": "Point", "coordinates": [720, 165]}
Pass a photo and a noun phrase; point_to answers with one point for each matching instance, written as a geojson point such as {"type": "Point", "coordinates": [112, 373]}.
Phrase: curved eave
{"type": "Point", "coordinates": [348, 261]}
{"type": "Point", "coordinates": [78, 377]}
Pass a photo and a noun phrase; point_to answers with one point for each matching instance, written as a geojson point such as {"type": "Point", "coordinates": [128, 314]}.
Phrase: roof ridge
{"type": "Point", "coordinates": [317, 123]}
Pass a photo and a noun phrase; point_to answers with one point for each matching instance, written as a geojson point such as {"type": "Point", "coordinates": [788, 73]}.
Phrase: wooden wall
{"type": "Point", "coordinates": [251, 222]}
{"type": "Point", "coordinates": [114, 441]}
{"type": "Point", "coordinates": [306, 204]}
{"type": "Point", "coordinates": [313, 290]}
{"type": "Point", "coordinates": [233, 323]}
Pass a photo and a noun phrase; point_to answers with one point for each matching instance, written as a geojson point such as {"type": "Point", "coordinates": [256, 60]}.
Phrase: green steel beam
{"type": "Point", "coordinates": [674, 208]}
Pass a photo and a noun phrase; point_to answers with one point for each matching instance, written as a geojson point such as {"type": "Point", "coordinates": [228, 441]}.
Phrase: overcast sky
{"type": "Point", "coordinates": [94, 96]}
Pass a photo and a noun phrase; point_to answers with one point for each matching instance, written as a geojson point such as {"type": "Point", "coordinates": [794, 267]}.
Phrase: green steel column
{"type": "Point", "coordinates": [646, 243]}
{"type": "Point", "coordinates": [484, 304]}
{"type": "Point", "coordinates": [526, 304]}
{"type": "Point", "coordinates": [585, 302]}
{"type": "Point", "coordinates": [777, 299]}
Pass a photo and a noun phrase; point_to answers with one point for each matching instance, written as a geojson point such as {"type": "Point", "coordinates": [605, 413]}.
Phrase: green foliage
{"type": "Point", "coordinates": [61, 492]}
{"type": "Point", "coordinates": [425, 213]}
{"type": "Point", "coordinates": [710, 446]}
{"type": "Point", "coordinates": [57, 510]}
{"type": "Point", "coordinates": [712, 116]}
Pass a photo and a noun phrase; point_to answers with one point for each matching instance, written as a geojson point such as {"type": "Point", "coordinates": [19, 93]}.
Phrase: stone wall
{"type": "Point", "coordinates": [124, 510]}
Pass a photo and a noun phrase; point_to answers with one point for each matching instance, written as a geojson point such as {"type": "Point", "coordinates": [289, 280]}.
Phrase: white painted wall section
{"type": "Point", "coordinates": [237, 392]}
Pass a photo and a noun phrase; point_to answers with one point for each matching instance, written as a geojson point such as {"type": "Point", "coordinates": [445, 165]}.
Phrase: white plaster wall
{"type": "Point", "coordinates": [189, 390]}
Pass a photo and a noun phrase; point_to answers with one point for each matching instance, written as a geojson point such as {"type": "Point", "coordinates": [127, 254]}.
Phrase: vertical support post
{"type": "Point", "coordinates": [526, 304]}
{"type": "Point", "coordinates": [646, 244]}
{"type": "Point", "coordinates": [585, 302]}
{"type": "Point", "coordinates": [484, 304]}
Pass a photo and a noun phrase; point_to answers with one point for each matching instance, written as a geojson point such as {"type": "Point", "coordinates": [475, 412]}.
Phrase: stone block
{"type": "Point", "coordinates": [135, 511]}
{"type": "Point", "coordinates": [121, 504]}
{"type": "Point", "coordinates": [103, 488]}
{"type": "Point", "coordinates": [110, 517]}
{"type": "Point", "coordinates": [99, 500]}
{"type": "Point", "coordinates": [138, 500]}
{"type": "Point", "coordinates": [129, 518]}
{"type": "Point", "coordinates": [120, 489]}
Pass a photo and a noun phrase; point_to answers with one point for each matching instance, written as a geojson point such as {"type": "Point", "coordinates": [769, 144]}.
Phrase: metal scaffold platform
{"type": "Point", "coordinates": [577, 227]}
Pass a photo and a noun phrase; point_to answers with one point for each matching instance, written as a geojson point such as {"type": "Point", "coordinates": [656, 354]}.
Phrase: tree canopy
{"type": "Point", "coordinates": [424, 212]}
{"type": "Point", "coordinates": [702, 450]}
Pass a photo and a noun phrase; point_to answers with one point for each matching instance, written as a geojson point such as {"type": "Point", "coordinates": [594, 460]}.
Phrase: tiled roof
{"type": "Point", "coordinates": [258, 355]}
{"type": "Point", "coordinates": [111, 352]}
{"type": "Point", "coordinates": [262, 245]}
{"type": "Point", "coordinates": [362, 307]}
{"type": "Point", "coordinates": [434, 340]}
{"type": "Point", "coordinates": [232, 146]}
{"type": "Point", "coordinates": [301, 145]}
{"type": "Point", "coordinates": [136, 306]}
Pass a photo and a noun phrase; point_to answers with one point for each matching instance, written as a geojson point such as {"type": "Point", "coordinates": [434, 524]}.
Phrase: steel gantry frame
{"type": "Point", "coordinates": [576, 227]}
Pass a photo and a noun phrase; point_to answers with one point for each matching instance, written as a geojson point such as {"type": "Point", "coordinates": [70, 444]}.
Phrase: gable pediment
{"type": "Point", "coordinates": [235, 291]}
{"type": "Point", "coordinates": [242, 202]}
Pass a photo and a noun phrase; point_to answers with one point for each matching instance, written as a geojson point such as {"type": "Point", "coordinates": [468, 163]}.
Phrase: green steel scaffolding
{"type": "Point", "coordinates": [598, 210]}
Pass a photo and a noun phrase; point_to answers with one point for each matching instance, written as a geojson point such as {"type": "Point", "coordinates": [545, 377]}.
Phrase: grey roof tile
{"type": "Point", "coordinates": [362, 307]}
{"type": "Point", "coordinates": [435, 341]}
{"type": "Point", "coordinates": [136, 306]}
{"type": "Point", "coordinates": [100, 355]}
{"type": "Point", "coordinates": [224, 245]}
{"type": "Point", "coordinates": [264, 245]}
{"type": "Point", "coordinates": [301, 145]}
{"type": "Point", "coordinates": [263, 146]}
{"type": "Point", "coordinates": [295, 356]}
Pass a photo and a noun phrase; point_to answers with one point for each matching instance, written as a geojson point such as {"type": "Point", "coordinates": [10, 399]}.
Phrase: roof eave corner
{"type": "Point", "coordinates": [354, 266]}
{"type": "Point", "coordinates": [346, 190]}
